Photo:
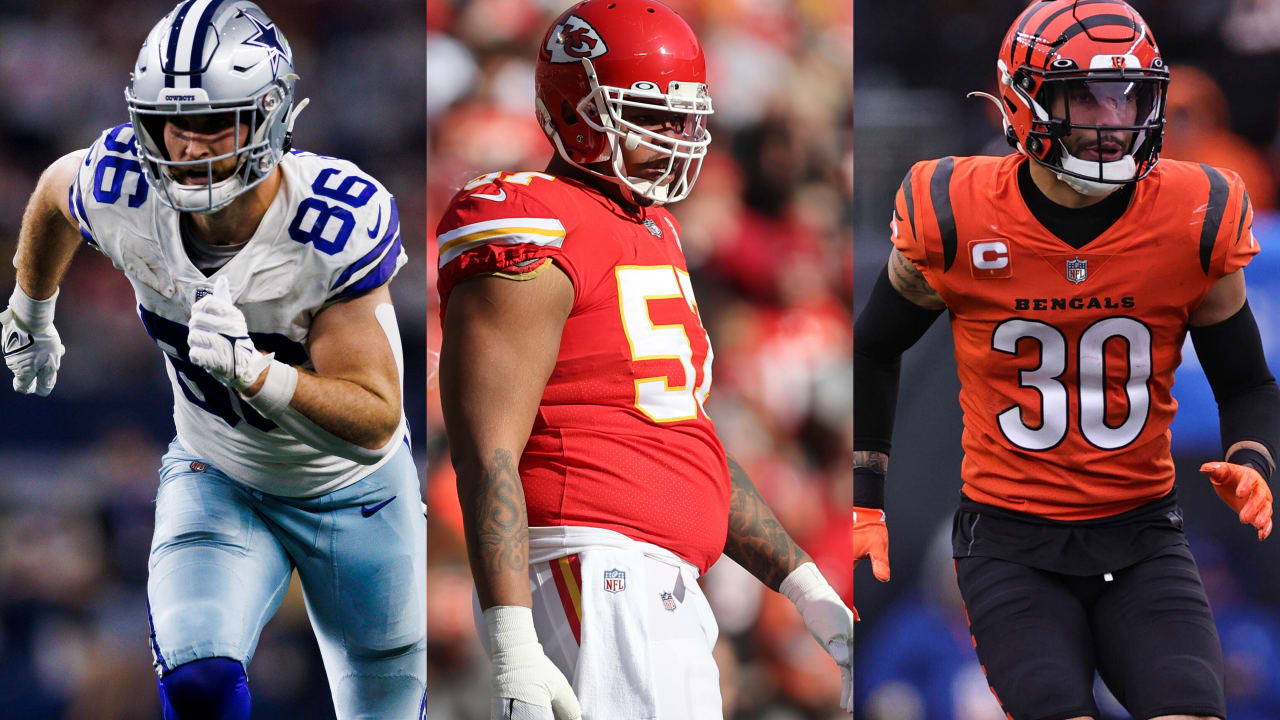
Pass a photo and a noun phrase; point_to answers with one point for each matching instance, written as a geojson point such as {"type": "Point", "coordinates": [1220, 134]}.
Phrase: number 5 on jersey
{"type": "Point", "coordinates": [655, 396]}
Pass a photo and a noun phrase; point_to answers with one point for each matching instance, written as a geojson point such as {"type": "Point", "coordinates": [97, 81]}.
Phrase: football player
{"type": "Point", "coordinates": [261, 273]}
{"type": "Point", "coordinates": [573, 373]}
{"type": "Point", "coordinates": [1073, 269]}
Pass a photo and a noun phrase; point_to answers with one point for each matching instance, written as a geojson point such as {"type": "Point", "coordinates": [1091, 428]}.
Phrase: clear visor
{"type": "Point", "coordinates": [1122, 104]}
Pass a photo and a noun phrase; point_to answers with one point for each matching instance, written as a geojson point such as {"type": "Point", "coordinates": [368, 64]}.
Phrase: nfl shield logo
{"type": "Point", "coordinates": [1077, 270]}
{"type": "Point", "coordinates": [668, 601]}
{"type": "Point", "coordinates": [653, 228]}
{"type": "Point", "coordinates": [615, 581]}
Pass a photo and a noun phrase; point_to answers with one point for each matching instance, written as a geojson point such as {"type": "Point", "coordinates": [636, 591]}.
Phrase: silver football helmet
{"type": "Point", "coordinates": [213, 58]}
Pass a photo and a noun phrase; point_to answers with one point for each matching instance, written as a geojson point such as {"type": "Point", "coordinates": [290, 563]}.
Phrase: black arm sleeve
{"type": "Point", "coordinates": [887, 326]}
{"type": "Point", "coordinates": [1248, 399]}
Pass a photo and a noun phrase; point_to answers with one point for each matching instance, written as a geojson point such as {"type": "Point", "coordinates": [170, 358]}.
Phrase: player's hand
{"type": "Point", "coordinates": [828, 620]}
{"type": "Point", "coordinates": [1241, 487]}
{"type": "Point", "coordinates": [871, 538]}
{"type": "Point", "coordinates": [219, 340]}
{"type": "Point", "coordinates": [526, 684]}
{"type": "Point", "coordinates": [32, 348]}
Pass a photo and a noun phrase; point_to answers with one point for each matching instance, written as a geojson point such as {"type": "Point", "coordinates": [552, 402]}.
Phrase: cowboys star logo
{"type": "Point", "coordinates": [270, 40]}
{"type": "Point", "coordinates": [573, 40]}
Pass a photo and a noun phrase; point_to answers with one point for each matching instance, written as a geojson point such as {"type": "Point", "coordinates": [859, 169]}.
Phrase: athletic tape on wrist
{"type": "Point", "coordinates": [34, 314]}
{"type": "Point", "coordinates": [509, 626]}
{"type": "Point", "coordinates": [801, 582]}
{"type": "Point", "coordinates": [272, 399]}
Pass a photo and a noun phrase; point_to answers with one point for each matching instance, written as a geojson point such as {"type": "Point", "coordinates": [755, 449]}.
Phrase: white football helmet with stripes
{"type": "Point", "coordinates": [208, 57]}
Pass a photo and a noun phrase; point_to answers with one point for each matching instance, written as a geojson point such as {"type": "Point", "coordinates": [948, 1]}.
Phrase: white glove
{"type": "Point", "coordinates": [32, 349]}
{"type": "Point", "coordinates": [218, 340]}
{"type": "Point", "coordinates": [828, 620]}
{"type": "Point", "coordinates": [526, 684]}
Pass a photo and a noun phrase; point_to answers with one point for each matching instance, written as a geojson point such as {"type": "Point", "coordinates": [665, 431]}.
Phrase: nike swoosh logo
{"type": "Point", "coordinates": [14, 336]}
{"type": "Point", "coordinates": [367, 511]}
{"type": "Point", "coordinates": [374, 232]}
{"type": "Point", "coordinates": [499, 197]}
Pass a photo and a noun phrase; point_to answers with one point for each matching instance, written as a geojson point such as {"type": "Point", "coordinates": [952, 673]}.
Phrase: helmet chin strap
{"type": "Point", "coordinates": [1119, 171]}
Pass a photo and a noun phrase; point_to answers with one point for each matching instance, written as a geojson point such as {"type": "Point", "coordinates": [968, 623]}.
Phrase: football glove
{"type": "Point", "coordinates": [828, 621]}
{"type": "Point", "coordinates": [219, 341]}
{"type": "Point", "coordinates": [871, 538]}
{"type": "Point", "coordinates": [32, 349]}
{"type": "Point", "coordinates": [526, 684]}
{"type": "Point", "coordinates": [1245, 490]}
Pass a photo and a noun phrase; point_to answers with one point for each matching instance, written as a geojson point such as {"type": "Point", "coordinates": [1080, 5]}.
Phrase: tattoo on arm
{"type": "Point", "coordinates": [911, 283]}
{"type": "Point", "coordinates": [872, 460]}
{"type": "Point", "coordinates": [756, 539]}
{"type": "Point", "coordinates": [497, 526]}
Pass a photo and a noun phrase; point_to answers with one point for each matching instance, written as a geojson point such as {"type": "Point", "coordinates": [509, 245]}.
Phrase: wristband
{"type": "Point", "coordinates": [34, 314]}
{"type": "Point", "coordinates": [1253, 459]}
{"type": "Point", "coordinates": [868, 488]}
{"type": "Point", "coordinates": [277, 389]}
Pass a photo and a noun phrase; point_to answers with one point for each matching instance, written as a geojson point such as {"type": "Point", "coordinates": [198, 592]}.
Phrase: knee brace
{"type": "Point", "coordinates": [206, 689]}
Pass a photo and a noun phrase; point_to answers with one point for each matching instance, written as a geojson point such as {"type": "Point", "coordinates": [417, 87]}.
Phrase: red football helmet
{"type": "Point", "coordinates": [603, 65]}
{"type": "Point", "coordinates": [1095, 59]}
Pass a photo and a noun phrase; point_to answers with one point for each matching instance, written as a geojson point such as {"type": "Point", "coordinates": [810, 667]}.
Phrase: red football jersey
{"type": "Point", "coordinates": [621, 440]}
{"type": "Point", "coordinates": [1066, 357]}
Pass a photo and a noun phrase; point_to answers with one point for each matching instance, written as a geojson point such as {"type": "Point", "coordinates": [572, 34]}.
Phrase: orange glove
{"type": "Point", "coordinates": [871, 538]}
{"type": "Point", "coordinates": [1239, 486]}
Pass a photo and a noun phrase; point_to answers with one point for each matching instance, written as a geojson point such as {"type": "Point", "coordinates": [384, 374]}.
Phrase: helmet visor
{"type": "Point", "coordinates": [1131, 104]}
{"type": "Point", "coordinates": [1101, 122]}
{"type": "Point", "coordinates": [1110, 117]}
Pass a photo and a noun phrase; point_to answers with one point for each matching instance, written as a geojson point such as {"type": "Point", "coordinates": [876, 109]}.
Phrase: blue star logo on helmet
{"type": "Point", "coordinates": [270, 40]}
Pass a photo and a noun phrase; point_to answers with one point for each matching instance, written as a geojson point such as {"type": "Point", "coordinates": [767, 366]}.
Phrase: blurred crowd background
{"type": "Point", "coordinates": [767, 233]}
{"type": "Point", "coordinates": [78, 470]}
{"type": "Point", "coordinates": [914, 63]}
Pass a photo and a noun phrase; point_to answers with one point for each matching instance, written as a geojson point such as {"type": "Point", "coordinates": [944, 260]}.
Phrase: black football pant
{"type": "Point", "coordinates": [1147, 630]}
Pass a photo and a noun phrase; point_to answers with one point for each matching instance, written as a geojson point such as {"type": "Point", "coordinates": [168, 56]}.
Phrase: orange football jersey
{"type": "Point", "coordinates": [621, 440]}
{"type": "Point", "coordinates": [1066, 357]}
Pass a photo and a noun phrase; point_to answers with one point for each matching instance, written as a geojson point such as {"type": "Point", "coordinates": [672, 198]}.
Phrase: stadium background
{"type": "Point", "coordinates": [78, 470]}
{"type": "Point", "coordinates": [914, 63]}
{"type": "Point", "coordinates": [767, 232]}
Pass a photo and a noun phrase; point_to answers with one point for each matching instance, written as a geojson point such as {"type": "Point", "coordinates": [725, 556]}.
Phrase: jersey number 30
{"type": "Point", "coordinates": [1046, 379]}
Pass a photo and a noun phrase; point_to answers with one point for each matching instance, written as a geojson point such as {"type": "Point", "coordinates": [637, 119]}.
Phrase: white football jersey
{"type": "Point", "coordinates": [332, 232]}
